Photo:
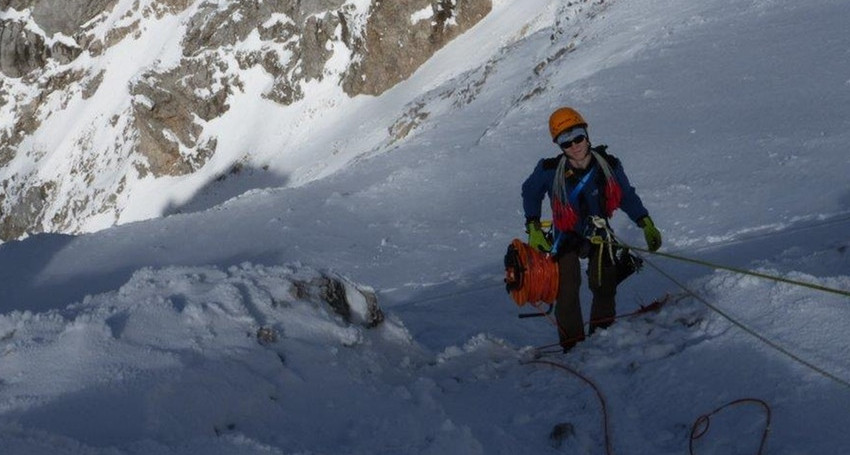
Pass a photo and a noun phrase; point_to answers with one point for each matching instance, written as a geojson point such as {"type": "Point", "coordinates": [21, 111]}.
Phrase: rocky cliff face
{"type": "Point", "coordinates": [151, 113]}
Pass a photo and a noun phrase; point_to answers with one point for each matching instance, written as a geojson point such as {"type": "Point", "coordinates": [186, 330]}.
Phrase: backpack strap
{"type": "Point", "coordinates": [611, 195]}
{"type": "Point", "coordinates": [551, 163]}
{"type": "Point", "coordinates": [602, 150]}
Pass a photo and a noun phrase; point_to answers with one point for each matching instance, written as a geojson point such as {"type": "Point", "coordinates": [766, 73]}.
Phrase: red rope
{"type": "Point", "coordinates": [652, 307]}
{"type": "Point", "coordinates": [702, 423]}
{"type": "Point", "coordinates": [700, 426]}
{"type": "Point", "coordinates": [605, 425]}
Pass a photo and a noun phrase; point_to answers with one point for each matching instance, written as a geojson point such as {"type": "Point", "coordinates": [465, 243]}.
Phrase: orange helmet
{"type": "Point", "coordinates": [563, 119]}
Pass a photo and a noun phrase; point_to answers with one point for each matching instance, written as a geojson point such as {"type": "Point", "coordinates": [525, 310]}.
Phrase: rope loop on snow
{"type": "Point", "coordinates": [703, 422]}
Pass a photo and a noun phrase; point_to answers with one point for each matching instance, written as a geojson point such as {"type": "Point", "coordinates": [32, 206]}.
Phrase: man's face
{"type": "Point", "coordinates": [577, 150]}
{"type": "Point", "coordinates": [574, 144]}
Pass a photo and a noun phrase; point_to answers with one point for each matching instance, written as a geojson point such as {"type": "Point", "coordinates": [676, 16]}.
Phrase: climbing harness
{"type": "Point", "coordinates": [624, 261]}
{"type": "Point", "coordinates": [602, 237]}
{"type": "Point", "coordinates": [627, 264]}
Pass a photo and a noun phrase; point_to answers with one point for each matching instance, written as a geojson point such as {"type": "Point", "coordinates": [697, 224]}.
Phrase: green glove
{"type": "Point", "coordinates": [650, 233]}
{"type": "Point", "coordinates": [536, 237]}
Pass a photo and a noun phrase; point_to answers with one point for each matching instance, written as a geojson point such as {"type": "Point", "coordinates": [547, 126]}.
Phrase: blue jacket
{"type": "Point", "coordinates": [590, 200]}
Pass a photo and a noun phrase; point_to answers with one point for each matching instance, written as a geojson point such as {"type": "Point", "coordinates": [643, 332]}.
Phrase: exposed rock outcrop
{"type": "Point", "coordinates": [355, 305]}
{"type": "Point", "coordinates": [23, 51]}
{"type": "Point", "coordinates": [25, 211]}
{"type": "Point", "coordinates": [60, 16]}
{"type": "Point", "coordinates": [393, 47]}
{"type": "Point", "coordinates": [165, 106]}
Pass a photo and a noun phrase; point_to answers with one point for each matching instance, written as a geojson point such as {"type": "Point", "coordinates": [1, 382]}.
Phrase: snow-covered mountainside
{"type": "Point", "coordinates": [114, 110]}
{"type": "Point", "coordinates": [221, 328]}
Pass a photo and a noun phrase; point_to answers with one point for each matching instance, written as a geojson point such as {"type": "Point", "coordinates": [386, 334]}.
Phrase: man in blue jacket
{"type": "Point", "coordinates": [585, 186]}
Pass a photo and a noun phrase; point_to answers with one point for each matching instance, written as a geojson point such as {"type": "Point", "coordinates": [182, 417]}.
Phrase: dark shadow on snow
{"type": "Point", "coordinates": [237, 181]}
{"type": "Point", "coordinates": [23, 289]}
{"type": "Point", "coordinates": [22, 262]}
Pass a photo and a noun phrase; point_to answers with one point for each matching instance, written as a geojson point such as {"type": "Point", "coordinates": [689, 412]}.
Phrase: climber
{"type": "Point", "coordinates": [585, 186]}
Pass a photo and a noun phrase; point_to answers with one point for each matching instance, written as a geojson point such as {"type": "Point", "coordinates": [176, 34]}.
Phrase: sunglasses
{"type": "Point", "coordinates": [570, 142]}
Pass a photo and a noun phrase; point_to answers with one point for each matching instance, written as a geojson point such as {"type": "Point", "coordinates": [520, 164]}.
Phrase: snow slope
{"type": "Point", "coordinates": [732, 119]}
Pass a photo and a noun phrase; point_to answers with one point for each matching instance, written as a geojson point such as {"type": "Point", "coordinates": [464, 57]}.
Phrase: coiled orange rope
{"type": "Point", "coordinates": [538, 276]}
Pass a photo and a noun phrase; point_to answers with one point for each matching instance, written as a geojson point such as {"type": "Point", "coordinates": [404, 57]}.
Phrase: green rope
{"type": "Point", "coordinates": [734, 321]}
{"type": "Point", "coordinates": [747, 329]}
{"type": "Point", "coordinates": [740, 271]}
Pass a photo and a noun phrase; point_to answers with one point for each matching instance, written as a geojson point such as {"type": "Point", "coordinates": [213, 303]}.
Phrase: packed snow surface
{"type": "Point", "coordinates": [195, 333]}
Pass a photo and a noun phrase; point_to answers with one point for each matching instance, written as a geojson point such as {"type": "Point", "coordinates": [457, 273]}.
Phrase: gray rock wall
{"type": "Point", "coordinates": [170, 106]}
{"type": "Point", "coordinates": [393, 48]}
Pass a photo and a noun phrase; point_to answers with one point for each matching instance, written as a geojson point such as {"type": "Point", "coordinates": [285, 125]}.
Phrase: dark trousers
{"type": "Point", "coordinates": [603, 284]}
